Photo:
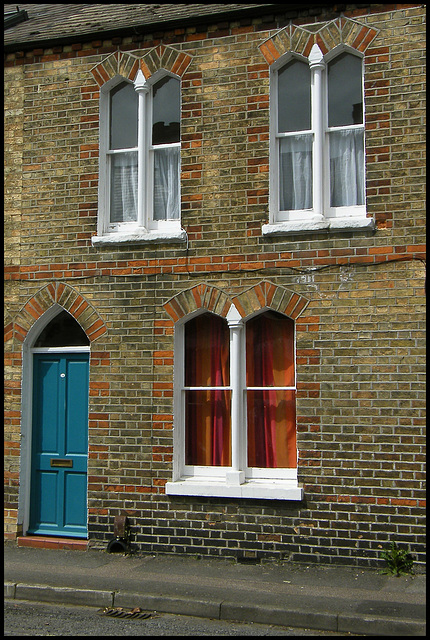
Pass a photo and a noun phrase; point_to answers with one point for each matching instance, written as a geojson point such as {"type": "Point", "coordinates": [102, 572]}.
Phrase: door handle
{"type": "Point", "coordinates": [61, 462]}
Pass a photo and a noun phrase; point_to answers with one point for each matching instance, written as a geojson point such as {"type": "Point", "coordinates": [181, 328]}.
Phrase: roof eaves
{"type": "Point", "coordinates": [142, 29]}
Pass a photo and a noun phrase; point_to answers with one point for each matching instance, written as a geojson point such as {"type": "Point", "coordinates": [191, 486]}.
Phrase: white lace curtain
{"type": "Point", "coordinates": [124, 187]}
{"type": "Point", "coordinates": [346, 170]}
{"type": "Point", "coordinates": [346, 167]}
{"type": "Point", "coordinates": [166, 183]}
{"type": "Point", "coordinates": [295, 161]}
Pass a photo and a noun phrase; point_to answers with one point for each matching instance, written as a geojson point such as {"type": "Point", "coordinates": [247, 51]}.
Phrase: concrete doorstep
{"type": "Point", "coordinates": [391, 622]}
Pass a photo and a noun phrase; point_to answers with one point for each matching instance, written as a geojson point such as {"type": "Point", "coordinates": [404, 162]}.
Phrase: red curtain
{"type": "Point", "coordinates": [207, 411]}
{"type": "Point", "coordinates": [271, 413]}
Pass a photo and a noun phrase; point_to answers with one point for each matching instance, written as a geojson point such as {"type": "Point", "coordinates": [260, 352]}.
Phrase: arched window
{"type": "Point", "coordinates": [235, 407]}
{"type": "Point", "coordinates": [207, 392]}
{"type": "Point", "coordinates": [122, 153]}
{"type": "Point", "coordinates": [139, 187]}
{"type": "Point", "coordinates": [294, 136]}
{"type": "Point", "coordinates": [270, 392]}
{"type": "Point", "coordinates": [165, 147]}
{"type": "Point", "coordinates": [345, 130]}
{"type": "Point", "coordinates": [317, 141]}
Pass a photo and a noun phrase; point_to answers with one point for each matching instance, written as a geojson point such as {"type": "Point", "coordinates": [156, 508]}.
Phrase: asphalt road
{"type": "Point", "coordinates": [23, 618]}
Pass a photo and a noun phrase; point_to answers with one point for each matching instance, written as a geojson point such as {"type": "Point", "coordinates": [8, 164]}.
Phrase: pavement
{"type": "Point", "coordinates": [322, 597]}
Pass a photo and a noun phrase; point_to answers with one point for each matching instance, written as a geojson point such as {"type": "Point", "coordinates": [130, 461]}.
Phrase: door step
{"type": "Point", "coordinates": [48, 542]}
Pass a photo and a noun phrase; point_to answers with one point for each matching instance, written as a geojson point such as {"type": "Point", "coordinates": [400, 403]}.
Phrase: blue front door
{"type": "Point", "coordinates": [59, 444]}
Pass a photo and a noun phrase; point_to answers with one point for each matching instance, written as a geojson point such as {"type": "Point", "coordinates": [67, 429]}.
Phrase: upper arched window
{"type": "Point", "coordinates": [122, 156]}
{"type": "Point", "coordinates": [140, 155]}
{"type": "Point", "coordinates": [294, 136]}
{"type": "Point", "coordinates": [317, 134]}
{"type": "Point", "coordinates": [165, 148]}
{"type": "Point", "coordinates": [345, 131]}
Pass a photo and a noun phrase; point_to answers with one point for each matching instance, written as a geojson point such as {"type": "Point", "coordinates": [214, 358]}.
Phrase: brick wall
{"type": "Point", "coordinates": [360, 341]}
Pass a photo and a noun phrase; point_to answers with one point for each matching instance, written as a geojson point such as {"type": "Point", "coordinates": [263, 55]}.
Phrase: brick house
{"type": "Point", "coordinates": [214, 279]}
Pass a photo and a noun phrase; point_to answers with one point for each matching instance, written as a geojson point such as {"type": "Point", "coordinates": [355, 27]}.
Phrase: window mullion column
{"type": "Point", "coordinates": [317, 65]}
{"type": "Point", "coordinates": [236, 475]}
{"type": "Point", "coordinates": [142, 90]}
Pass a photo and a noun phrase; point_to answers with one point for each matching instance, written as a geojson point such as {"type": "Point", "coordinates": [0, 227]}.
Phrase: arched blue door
{"type": "Point", "coordinates": [59, 444]}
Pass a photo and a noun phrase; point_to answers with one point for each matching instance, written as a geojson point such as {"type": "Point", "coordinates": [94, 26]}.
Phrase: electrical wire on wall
{"type": "Point", "coordinates": [266, 270]}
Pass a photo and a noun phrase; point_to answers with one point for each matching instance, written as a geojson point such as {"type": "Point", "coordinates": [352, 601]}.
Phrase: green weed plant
{"type": "Point", "coordinates": [399, 561]}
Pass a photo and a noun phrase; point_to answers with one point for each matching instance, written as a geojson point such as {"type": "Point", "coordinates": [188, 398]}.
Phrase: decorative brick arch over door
{"type": "Point", "coordinates": [65, 296]}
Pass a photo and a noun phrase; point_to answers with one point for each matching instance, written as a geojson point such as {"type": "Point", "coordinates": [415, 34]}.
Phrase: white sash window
{"type": "Point", "coordinates": [317, 143]}
{"type": "Point", "coordinates": [235, 407]}
{"type": "Point", "coordinates": [139, 188]}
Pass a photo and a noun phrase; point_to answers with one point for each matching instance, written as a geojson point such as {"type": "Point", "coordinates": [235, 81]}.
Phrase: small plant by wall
{"type": "Point", "coordinates": [399, 561]}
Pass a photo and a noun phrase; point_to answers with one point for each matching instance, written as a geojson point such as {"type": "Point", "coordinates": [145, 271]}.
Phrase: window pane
{"type": "Point", "coordinates": [270, 351]}
{"type": "Point", "coordinates": [207, 412]}
{"type": "Point", "coordinates": [62, 331]}
{"type": "Point", "coordinates": [207, 427]}
{"type": "Point", "coordinates": [346, 167]}
{"type": "Point", "coordinates": [295, 172]}
{"type": "Point", "coordinates": [207, 360]}
{"type": "Point", "coordinates": [271, 419]}
{"type": "Point", "coordinates": [294, 97]}
{"type": "Point", "coordinates": [166, 109]}
{"type": "Point", "coordinates": [166, 183]}
{"type": "Point", "coordinates": [345, 91]}
{"type": "Point", "coordinates": [123, 187]}
{"type": "Point", "coordinates": [123, 117]}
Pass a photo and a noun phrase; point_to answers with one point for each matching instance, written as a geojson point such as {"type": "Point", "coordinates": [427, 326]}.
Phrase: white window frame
{"type": "Point", "coordinates": [144, 228]}
{"type": "Point", "coordinates": [351, 211]}
{"type": "Point", "coordinates": [160, 225]}
{"type": "Point", "coordinates": [321, 216]}
{"type": "Point", "coordinates": [236, 480]}
{"type": "Point", "coordinates": [275, 138]}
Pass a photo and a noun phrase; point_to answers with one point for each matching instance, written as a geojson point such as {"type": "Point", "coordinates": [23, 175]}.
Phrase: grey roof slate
{"type": "Point", "coordinates": [66, 22]}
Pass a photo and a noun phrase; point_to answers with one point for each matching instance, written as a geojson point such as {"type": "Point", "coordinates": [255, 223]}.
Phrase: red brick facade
{"type": "Point", "coordinates": [356, 297]}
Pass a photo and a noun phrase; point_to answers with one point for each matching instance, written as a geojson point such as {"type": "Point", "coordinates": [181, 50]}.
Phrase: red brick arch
{"type": "Point", "coordinates": [128, 64]}
{"type": "Point", "coordinates": [65, 296]}
{"type": "Point", "coordinates": [264, 295]}
{"type": "Point", "coordinates": [202, 296]}
{"type": "Point", "coordinates": [300, 39]}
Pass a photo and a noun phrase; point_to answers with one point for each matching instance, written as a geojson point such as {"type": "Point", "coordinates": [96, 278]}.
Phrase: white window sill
{"type": "Point", "coordinates": [262, 489]}
{"type": "Point", "coordinates": [351, 223]}
{"type": "Point", "coordinates": [312, 226]}
{"type": "Point", "coordinates": [140, 235]}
